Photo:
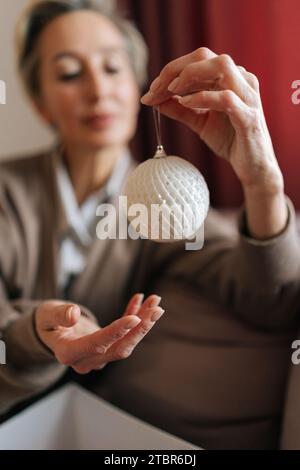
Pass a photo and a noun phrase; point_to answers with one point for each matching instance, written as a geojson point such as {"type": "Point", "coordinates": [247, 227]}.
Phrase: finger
{"type": "Point", "coordinates": [124, 348]}
{"type": "Point", "coordinates": [160, 85]}
{"type": "Point", "coordinates": [250, 78]}
{"type": "Point", "coordinates": [151, 301]}
{"type": "Point", "coordinates": [140, 310]}
{"type": "Point", "coordinates": [134, 304]}
{"type": "Point", "coordinates": [193, 118]}
{"type": "Point", "coordinates": [52, 316]}
{"type": "Point", "coordinates": [220, 69]}
{"type": "Point", "coordinates": [96, 343]}
{"type": "Point", "coordinates": [219, 73]}
{"type": "Point", "coordinates": [222, 101]}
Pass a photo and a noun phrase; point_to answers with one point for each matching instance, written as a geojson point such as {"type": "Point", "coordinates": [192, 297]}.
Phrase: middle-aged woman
{"type": "Point", "coordinates": [213, 371]}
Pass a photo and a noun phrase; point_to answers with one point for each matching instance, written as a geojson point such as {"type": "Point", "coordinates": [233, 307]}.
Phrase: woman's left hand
{"type": "Point", "coordinates": [220, 101]}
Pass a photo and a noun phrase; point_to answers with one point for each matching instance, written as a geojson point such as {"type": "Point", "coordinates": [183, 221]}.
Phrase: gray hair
{"type": "Point", "coordinates": [40, 13]}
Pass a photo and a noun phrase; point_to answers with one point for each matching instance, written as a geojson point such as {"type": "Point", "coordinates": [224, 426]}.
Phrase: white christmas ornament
{"type": "Point", "coordinates": [167, 197]}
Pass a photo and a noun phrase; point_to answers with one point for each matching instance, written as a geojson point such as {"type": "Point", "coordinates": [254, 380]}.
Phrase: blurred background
{"type": "Point", "coordinates": [261, 35]}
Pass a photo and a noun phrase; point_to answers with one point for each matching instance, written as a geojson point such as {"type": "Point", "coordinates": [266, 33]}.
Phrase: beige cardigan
{"type": "Point", "coordinates": [212, 371]}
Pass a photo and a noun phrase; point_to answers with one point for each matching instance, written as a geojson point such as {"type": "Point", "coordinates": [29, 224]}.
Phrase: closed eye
{"type": "Point", "coordinates": [69, 77]}
{"type": "Point", "coordinates": [112, 69]}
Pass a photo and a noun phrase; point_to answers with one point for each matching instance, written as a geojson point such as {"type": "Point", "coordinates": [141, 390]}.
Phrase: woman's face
{"type": "Point", "coordinates": [88, 89]}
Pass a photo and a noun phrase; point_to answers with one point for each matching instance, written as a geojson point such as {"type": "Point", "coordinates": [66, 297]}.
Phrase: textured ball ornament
{"type": "Point", "coordinates": [167, 198]}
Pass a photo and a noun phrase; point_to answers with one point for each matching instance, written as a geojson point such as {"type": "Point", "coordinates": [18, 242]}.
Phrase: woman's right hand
{"type": "Point", "coordinates": [78, 342]}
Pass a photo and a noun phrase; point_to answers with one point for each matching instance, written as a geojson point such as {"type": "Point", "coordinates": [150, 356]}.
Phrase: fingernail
{"type": "Point", "coordinates": [132, 322]}
{"type": "Point", "coordinates": [72, 310]}
{"type": "Point", "coordinates": [174, 85]}
{"type": "Point", "coordinates": [155, 84]}
{"type": "Point", "coordinates": [155, 302]}
{"type": "Point", "coordinates": [147, 98]}
{"type": "Point", "coordinates": [185, 99]}
{"type": "Point", "coordinates": [140, 298]}
{"type": "Point", "coordinates": [158, 313]}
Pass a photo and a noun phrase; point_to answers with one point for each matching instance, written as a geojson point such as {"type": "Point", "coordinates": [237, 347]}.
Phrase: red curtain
{"type": "Point", "coordinates": [260, 35]}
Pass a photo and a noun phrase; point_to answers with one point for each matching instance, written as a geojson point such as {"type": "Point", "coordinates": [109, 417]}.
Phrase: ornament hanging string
{"type": "Point", "coordinates": [160, 152]}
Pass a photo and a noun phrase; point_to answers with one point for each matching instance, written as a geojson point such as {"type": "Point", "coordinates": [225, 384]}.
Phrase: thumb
{"type": "Point", "coordinates": [53, 316]}
{"type": "Point", "coordinates": [68, 316]}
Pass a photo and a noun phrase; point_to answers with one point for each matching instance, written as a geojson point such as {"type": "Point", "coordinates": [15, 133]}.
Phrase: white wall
{"type": "Point", "coordinates": [20, 130]}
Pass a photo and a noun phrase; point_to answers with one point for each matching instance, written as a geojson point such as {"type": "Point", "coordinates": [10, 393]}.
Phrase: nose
{"type": "Point", "coordinates": [98, 85]}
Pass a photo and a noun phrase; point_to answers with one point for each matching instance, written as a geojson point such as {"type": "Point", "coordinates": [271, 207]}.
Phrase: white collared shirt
{"type": "Point", "coordinates": [81, 220]}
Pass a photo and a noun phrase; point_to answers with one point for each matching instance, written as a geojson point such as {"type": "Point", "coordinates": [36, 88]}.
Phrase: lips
{"type": "Point", "coordinates": [99, 121]}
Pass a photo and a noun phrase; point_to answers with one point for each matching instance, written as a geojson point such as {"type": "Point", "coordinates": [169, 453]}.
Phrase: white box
{"type": "Point", "coordinates": [74, 419]}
